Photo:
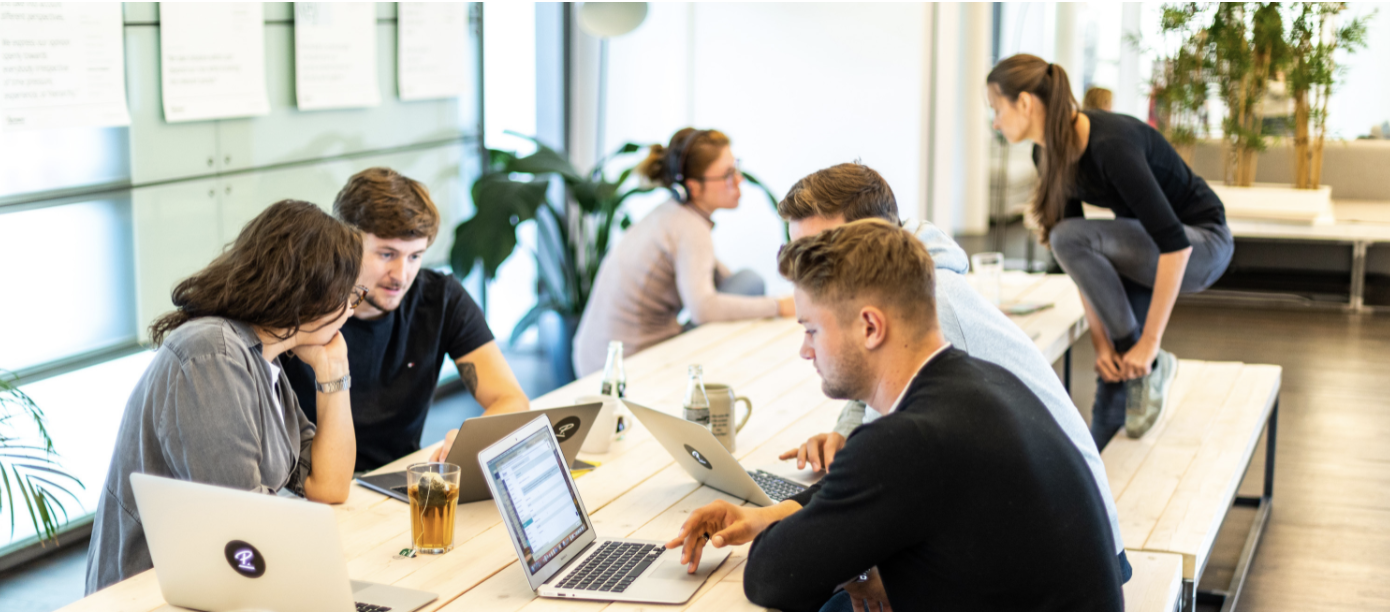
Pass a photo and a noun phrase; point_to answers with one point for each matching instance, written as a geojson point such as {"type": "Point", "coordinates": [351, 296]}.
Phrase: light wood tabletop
{"type": "Point", "coordinates": [637, 490]}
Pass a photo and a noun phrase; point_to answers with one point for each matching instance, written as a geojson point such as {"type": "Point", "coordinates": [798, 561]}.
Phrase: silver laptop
{"type": "Point", "coordinates": [555, 542]}
{"type": "Point", "coordinates": [221, 549]}
{"type": "Point", "coordinates": [701, 455]}
{"type": "Point", "coordinates": [571, 424]}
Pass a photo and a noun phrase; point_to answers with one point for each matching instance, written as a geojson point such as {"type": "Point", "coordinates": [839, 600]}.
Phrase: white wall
{"type": "Point", "coordinates": [797, 87]}
{"type": "Point", "coordinates": [1363, 98]}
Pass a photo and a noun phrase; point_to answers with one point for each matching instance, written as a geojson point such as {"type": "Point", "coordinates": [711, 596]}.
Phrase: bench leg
{"type": "Point", "coordinates": [1066, 370]}
{"type": "Point", "coordinates": [1263, 505]}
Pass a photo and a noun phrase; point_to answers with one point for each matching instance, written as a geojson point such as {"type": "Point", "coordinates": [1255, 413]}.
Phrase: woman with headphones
{"type": "Point", "coordinates": [1169, 234]}
{"type": "Point", "coordinates": [665, 262]}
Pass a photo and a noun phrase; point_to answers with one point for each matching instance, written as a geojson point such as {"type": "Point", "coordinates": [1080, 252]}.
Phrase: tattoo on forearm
{"type": "Point", "coordinates": [469, 373]}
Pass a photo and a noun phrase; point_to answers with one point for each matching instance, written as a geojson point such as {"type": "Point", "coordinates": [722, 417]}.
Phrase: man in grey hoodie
{"type": "Point", "coordinates": [848, 192]}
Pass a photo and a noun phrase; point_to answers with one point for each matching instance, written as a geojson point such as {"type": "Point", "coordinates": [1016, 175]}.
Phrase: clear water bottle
{"type": "Point", "coordinates": [696, 400]}
{"type": "Point", "coordinates": [614, 379]}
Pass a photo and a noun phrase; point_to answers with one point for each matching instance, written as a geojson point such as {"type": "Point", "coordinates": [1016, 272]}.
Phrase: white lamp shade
{"type": "Point", "coordinates": [609, 19]}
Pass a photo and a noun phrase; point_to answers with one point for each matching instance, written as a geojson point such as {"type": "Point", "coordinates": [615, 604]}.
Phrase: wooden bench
{"type": "Point", "coordinates": [1156, 585]}
{"type": "Point", "coordinates": [1174, 486]}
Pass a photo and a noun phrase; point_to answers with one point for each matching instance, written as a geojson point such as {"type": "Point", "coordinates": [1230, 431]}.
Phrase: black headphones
{"type": "Point", "coordinates": [675, 165]}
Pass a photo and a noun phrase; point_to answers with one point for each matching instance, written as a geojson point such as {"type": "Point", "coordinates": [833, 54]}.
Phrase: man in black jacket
{"type": "Point", "coordinates": [966, 495]}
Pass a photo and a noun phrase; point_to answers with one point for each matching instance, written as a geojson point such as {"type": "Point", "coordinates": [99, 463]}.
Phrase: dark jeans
{"type": "Point", "coordinates": [1114, 263]}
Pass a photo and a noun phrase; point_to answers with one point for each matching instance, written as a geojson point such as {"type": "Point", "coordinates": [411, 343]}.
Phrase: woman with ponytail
{"type": "Point", "coordinates": [214, 405]}
{"type": "Point", "coordinates": [665, 263]}
{"type": "Point", "coordinates": [1169, 235]}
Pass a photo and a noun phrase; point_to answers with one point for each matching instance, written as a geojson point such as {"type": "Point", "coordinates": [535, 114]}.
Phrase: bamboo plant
{"type": "Point", "coordinates": [1314, 40]}
{"type": "Point", "coordinates": [31, 478]}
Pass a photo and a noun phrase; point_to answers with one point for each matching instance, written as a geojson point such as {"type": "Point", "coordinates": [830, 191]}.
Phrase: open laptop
{"type": "Point", "coordinates": [571, 424]}
{"type": "Point", "coordinates": [221, 549]}
{"type": "Point", "coordinates": [701, 455]}
{"type": "Point", "coordinates": [559, 551]}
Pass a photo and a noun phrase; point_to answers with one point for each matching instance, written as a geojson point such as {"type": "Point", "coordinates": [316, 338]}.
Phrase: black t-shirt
{"type": "Point", "coordinates": [968, 497]}
{"type": "Point", "coordinates": [395, 363]}
{"type": "Point", "coordinates": [1130, 168]}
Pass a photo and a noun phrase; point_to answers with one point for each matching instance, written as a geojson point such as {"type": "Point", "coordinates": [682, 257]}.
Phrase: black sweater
{"type": "Point", "coordinates": [967, 497]}
{"type": "Point", "coordinates": [1130, 168]}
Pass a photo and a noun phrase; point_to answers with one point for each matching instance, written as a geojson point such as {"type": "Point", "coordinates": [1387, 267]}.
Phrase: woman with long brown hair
{"type": "Point", "coordinates": [1169, 235]}
{"type": "Point", "coordinates": [214, 406]}
{"type": "Point", "coordinates": [665, 263]}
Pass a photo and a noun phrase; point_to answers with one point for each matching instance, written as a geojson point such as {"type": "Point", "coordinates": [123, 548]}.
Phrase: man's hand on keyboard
{"type": "Point", "coordinates": [819, 451]}
{"type": "Point", "coordinates": [724, 524]}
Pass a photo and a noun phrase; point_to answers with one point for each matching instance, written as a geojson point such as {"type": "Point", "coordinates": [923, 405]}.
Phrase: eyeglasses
{"type": "Point", "coordinates": [359, 293]}
{"type": "Point", "coordinates": [729, 177]}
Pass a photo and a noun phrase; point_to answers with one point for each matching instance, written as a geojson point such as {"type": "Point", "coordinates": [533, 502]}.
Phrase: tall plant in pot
{"type": "Point", "coordinates": [1238, 47]}
{"type": "Point", "coordinates": [31, 479]}
{"type": "Point", "coordinates": [1179, 85]}
{"type": "Point", "coordinates": [1315, 37]}
{"type": "Point", "coordinates": [573, 235]}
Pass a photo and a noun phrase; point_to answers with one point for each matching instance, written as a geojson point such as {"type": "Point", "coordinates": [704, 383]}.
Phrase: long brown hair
{"type": "Point", "coordinates": [1062, 147]}
{"type": "Point", "coordinates": [290, 265]}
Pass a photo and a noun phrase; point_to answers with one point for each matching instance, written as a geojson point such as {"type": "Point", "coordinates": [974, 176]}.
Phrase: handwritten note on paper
{"type": "Point", "coordinates": [335, 55]}
{"type": "Point", "coordinates": [432, 48]}
{"type": "Point", "coordinates": [62, 64]}
{"type": "Point", "coordinates": [212, 60]}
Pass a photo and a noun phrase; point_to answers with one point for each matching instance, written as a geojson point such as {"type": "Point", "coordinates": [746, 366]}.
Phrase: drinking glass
{"type": "Point", "coordinates": [433, 489]}
{"type": "Point", "coordinates": [989, 272]}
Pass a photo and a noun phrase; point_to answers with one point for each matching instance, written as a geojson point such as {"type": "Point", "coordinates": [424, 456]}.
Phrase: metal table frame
{"type": "Point", "coordinates": [1230, 596]}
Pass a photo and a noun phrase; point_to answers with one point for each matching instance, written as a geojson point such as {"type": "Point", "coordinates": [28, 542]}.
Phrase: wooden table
{"type": "Point", "coordinates": [637, 491]}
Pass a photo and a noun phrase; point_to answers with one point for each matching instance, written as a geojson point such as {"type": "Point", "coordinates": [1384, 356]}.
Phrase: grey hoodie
{"type": "Point", "coordinates": [972, 324]}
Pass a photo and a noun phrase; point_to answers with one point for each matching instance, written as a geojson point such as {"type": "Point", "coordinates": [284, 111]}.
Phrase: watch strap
{"type": "Point", "coordinates": [342, 384]}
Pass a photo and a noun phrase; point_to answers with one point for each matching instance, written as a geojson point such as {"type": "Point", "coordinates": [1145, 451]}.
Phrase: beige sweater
{"type": "Point", "coordinates": [663, 264]}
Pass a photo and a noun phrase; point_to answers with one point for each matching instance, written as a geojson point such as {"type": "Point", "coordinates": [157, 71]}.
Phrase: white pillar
{"type": "Point", "coordinates": [945, 176]}
{"type": "Point", "coordinates": [1130, 97]}
{"type": "Point", "coordinates": [1070, 45]}
{"type": "Point", "coordinates": [975, 128]}
{"type": "Point", "coordinates": [959, 127]}
{"type": "Point", "coordinates": [583, 119]}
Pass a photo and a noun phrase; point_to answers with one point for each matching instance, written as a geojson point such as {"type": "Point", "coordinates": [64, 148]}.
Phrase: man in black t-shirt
{"type": "Point", "coordinates": [411, 320]}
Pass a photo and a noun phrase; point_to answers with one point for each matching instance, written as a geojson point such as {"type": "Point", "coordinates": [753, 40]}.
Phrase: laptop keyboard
{"type": "Point", "coordinates": [776, 487]}
{"type": "Point", "coordinates": [366, 607]}
{"type": "Point", "coordinates": [613, 568]}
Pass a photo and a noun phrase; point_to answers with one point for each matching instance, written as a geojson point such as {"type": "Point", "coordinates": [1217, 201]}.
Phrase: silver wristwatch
{"type": "Point", "coordinates": [342, 384]}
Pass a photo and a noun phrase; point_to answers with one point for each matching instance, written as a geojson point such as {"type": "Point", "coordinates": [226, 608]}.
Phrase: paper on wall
{"type": "Point", "coordinates": [212, 60]}
{"type": "Point", "coordinates": [62, 64]}
{"type": "Point", "coordinates": [432, 50]}
{"type": "Point", "coordinates": [335, 55]}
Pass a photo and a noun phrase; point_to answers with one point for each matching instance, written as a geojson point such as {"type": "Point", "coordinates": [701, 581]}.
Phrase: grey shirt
{"type": "Point", "coordinates": [204, 411]}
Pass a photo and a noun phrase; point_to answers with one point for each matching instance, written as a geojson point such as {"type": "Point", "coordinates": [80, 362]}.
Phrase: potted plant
{"type": "Point", "coordinates": [1314, 39]}
{"type": "Point", "coordinates": [1179, 85]}
{"type": "Point", "coordinates": [573, 236]}
{"type": "Point", "coordinates": [31, 479]}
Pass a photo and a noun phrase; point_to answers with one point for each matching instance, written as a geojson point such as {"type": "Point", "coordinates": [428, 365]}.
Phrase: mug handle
{"type": "Point", "coordinates": [746, 402]}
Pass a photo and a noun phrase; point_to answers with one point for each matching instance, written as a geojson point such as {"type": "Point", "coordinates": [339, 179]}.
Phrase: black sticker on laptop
{"type": "Point", "coordinates": [698, 457]}
{"type": "Point", "coordinates": [567, 427]}
{"type": "Point", "coordinates": [245, 559]}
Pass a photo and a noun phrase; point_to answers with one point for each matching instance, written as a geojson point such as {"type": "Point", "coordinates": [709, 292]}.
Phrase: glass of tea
{"type": "Point", "coordinates": [433, 489]}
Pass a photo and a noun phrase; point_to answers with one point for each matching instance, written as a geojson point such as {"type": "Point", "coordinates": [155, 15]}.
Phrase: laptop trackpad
{"type": "Point", "coordinates": [673, 569]}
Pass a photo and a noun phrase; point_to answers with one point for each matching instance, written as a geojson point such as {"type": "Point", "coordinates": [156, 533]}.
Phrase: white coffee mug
{"type": "Point", "coordinates": [721, 413]}
{"type": "Point", "coordinates": [605, 425]}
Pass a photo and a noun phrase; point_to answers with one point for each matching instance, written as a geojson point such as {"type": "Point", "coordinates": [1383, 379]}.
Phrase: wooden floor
{"type": "Point", "coordinates": [1327, 543]}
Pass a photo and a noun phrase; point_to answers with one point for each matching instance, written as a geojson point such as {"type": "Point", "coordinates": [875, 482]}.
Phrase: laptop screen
{"type": "Point", "coordinates": [537, 499]}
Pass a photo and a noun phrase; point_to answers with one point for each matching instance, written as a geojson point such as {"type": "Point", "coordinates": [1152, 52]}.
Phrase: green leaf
{"type": "Point", "coordinates": [489, 236]}
{"type": "Point", "coordinates": [527, 321]}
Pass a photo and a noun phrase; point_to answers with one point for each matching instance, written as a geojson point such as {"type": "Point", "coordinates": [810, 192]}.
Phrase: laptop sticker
{"type": "Point", "coordinates": [245, 559]}
{"type": "Point", "coordinates": [698, 457]}
{"type": "Point", "coordinates": [567, 427]}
